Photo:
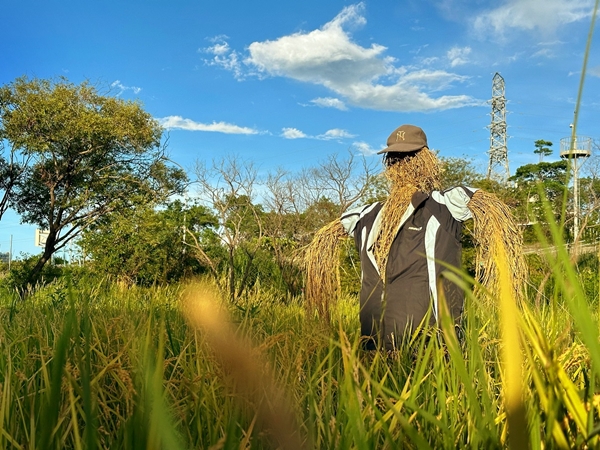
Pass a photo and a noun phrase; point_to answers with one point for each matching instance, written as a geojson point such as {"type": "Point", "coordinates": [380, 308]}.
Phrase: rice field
{"type": "Point", "coordinates": [98, 366]}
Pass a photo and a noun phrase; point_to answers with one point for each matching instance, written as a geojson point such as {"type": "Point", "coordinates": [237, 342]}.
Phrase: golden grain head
{"type": "Point", "coordinates": [498, 237]}
{"type": "Point", "coordinates": [322, 267]}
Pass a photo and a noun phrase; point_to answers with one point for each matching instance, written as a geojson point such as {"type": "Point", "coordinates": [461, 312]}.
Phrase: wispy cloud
{"type": "Point", "coordinates": [543, 53]}
{"type": "Point", "coordinates": [458, 56]}
{"type": "Point", "coordinates": [335, 133]}
{"type": "Point", "coordinates": [361, 76]}
{"type": "Point", "coordinates": [179, 123]}
{"type": "Point", "coordinates": [329, 102]}
{"type": "Point", "coordinates": [594, 71]}
{"type": "Point", "coordinates": [532, 15]}
{"type": "Point", "coordinates": [364, 148]}
{"type": "Point", "coordinates": [292, 133]}
{"type": "Point", "coordinates": [122, 88]}
{"type": "Point", "coordinates": [223, 56]}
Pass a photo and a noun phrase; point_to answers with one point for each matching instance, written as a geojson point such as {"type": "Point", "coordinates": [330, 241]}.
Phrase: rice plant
{"type": "Point", "coordinates": [98, 366]}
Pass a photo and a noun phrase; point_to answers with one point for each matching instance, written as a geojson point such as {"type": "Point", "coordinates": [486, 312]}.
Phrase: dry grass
{"type": "Point", "coordinates": [322, 268]}
{"type": "Point", "coordinates": [420, 172]}
{"type": "Point", "coordinates": [498, 238]}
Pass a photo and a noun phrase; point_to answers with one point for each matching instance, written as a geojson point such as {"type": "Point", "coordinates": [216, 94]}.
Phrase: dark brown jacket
{"type": "Point", "coordinates": [428, 237]}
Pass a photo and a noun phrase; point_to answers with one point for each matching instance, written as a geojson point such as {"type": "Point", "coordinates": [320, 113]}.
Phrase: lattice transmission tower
{"type": "Point", "coordinates": [498, 149]}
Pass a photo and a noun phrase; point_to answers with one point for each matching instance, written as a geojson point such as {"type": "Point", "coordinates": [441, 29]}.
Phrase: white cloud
{"type": "Point", "coordinates": [364, 148]}
{"type": "Point", "coordinates": [179, 123]}
{"type": "Point", "coordinates": [532, 15]}
{"type": "Point", "coordinates": [322, 56]}
{"type": "Point", "coordinates": [429, 61]}
{"type": "Point", "coordinates": [543, 53]}
{"type": "Point", "coordinates": [335, 133]}
{"type": "Point", "coordinates": [546, 49]}
{"type": "Point", "coordinates": [292, 133]}
{"type": "Point", "coordinates": [329, 102]}
{"type": "Point", "coordinates": [122, 88]}
{"type": "Point", "coordinates": [224, 57]}
{"type": "Point", "coordinates": [594, 71]}
{"type": "Point", "coordinates": [361, 76]}
{"type": "Point", "coordinates": [458, 56]}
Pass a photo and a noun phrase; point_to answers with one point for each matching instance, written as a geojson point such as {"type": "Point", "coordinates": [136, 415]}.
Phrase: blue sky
{"type": "Point", "coordinates": [285, 84]}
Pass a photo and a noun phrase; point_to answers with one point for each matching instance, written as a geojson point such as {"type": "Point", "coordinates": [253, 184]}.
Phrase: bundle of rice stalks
{"type": "Point", "coordinates": [412, 173]}
{"type": "Point", "coordinates": [392, 212]}
{"type": "Point", "coordinates": [421, 170]}
{"type": "Point", "coordinates": [498, 238]}
{"type": "Point", "coordinates": [322, 268]}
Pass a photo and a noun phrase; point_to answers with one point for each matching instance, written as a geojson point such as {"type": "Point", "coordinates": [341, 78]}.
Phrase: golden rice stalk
{"type": "Point", "coordinates": [421, 170]}
{"type": "Point", "coordinates": [498, 238]}
{"type": "Point", "coordinates": [250, 378]}
{"type": "Point", "coordinates": [392, 212]}
{"type": "Point", "coordinates": [408, 175]}
{"type": "Point", "coordinates": [322, 268]}
{"type": "Point", "coordinates": [512, 358]}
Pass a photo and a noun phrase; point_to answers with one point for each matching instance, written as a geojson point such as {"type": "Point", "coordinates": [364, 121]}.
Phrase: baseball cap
{"type": "Point", "coordinates": [405, 138]}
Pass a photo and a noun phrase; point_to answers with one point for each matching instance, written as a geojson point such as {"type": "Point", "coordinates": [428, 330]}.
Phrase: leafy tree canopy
{"type": "Point", "coordinates": [459, 172]}
{"type": "Point", "coordinates": [149, 245]}
{"type": "Point", "coordinates": [542, 148]}
{"type": "Point", "coordinates": [544, 171]}
{"type": "Point", "coordinates": [90, 154]}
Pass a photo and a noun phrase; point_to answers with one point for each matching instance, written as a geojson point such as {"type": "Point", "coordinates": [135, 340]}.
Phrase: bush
{"type": "Point", "coordinates": [17, 278]}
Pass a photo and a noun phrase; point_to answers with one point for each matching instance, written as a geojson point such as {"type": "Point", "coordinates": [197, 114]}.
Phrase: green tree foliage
{"type": "Point", "coordinates": [227, 188]}
{"type": "Point", "coordinates": [89, 155]}
{"type": "Point", "coordinates": [149, 245]}
{"type": "Point", "coordinates": [377, 190]}
{"type": "Point", "coordinates": [542, 148]}
{"type": "Point", "coordinates": [537, 185]}
{"type": "Point", "coordinates": [12, 169]}
{"type": "Point", "coordinates": [459, 172]}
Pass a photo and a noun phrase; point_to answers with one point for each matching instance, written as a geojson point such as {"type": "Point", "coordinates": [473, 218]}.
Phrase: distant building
{"type": "Point", "coordinates": [4, 257]}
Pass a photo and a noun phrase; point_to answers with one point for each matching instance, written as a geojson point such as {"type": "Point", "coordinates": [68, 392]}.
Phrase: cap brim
{"type": "Point", "coordinates": [401, 148]}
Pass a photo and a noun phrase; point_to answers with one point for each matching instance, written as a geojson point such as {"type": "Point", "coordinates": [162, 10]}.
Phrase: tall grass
{"type": "Point", "coordinates": [101, 367]}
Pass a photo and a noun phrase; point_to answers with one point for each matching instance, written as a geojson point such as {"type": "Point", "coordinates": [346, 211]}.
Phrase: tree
{"type": "Point", "coordinates": [12, 169]}
{"type": "Point", "coordinates": [459, 172]}
{"type": "Point", "coordinates": [552, 175]}
{"type": "Point", "coordinates": [297, 205]}
{"type": "Point", "coordinates": [542, 148]}
{"type": "Point", "coordinates": [227, 186]}
{"type": "Point", "coordinates": [536, 184]}
{"type": "Point", "coordinates": [339, 180]}
{"type": "Point", "coordinates": [148, 245]}
{"type": "Point", "coordinates": [284, 227]}
{"type": "Point", "coordinates": [89, 155]}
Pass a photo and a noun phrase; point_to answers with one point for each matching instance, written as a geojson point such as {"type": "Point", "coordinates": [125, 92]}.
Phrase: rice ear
{"type": "Point", "coordinates": [322, 269]}
{"type": "Point", "coordinates": [497, 235]}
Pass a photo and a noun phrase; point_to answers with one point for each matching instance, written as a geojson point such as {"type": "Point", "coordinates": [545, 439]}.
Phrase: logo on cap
{"type": "Point", "coordinates": [400, 135]}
